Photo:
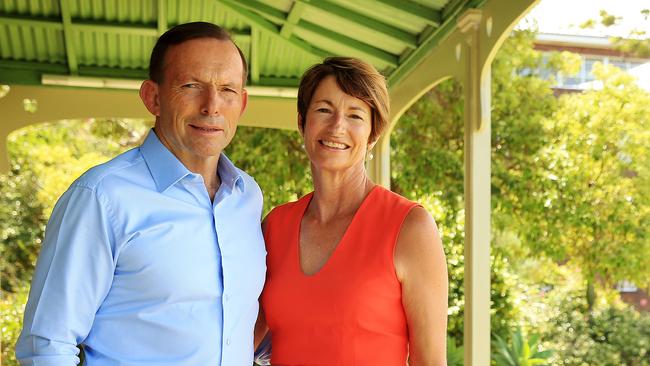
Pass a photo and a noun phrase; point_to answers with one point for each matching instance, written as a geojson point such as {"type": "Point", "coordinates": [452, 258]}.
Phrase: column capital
{"type": "Point", "coordinates": [470, 20]}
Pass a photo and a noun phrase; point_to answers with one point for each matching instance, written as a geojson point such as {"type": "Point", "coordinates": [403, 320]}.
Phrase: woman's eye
{"type": "Point", "coordinates": [323, 110]}
{"type": "Point", "coordinates": [356, 116]}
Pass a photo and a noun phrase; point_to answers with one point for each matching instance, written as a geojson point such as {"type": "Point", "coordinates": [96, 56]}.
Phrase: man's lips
{"type": "Point", "coordinates": [206, 129]}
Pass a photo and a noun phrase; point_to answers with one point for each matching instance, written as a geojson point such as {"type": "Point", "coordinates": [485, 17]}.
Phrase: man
{"type": "Point", "coordinates": [156, 257]}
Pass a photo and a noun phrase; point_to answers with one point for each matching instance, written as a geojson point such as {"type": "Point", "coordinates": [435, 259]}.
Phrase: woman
{"type": "Point", "coordinates": [356, 274]}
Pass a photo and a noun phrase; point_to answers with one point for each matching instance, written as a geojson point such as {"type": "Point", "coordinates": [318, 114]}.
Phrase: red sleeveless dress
{"type": "Point", "coordinates": [350, 312]}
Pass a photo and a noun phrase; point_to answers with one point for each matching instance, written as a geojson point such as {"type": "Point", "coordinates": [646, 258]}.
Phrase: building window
{"type": "Point", "coordinates": [626, 286]}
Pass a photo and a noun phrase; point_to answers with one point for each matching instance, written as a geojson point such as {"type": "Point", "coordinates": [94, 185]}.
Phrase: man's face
{"type": "Point", "coordinates": [200, 99]}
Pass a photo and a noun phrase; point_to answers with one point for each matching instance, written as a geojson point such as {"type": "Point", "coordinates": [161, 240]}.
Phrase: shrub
{"type": "Point", "coordinates": [609, 336]}
{"type": "Point", "coordinates": [12, 306]}
{"type": "Point", "coordinates": [520, 351]}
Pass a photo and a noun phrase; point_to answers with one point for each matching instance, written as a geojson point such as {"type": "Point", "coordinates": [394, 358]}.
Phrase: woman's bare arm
{"type": "Point", "coordinates": [422, 270]}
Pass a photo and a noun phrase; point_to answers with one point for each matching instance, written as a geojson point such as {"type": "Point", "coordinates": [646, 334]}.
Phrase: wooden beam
{"type": "Point", "coordinates": [425, 14]}
{"type": "Point", "coordinates": [162, 16]}
{"type": "Point", "coordinates": [265, 26]}
{"type": "Point", "coordinates": [79, 25]}
{"type": "Point", "coordinates": [477, 152]}
{"type": "Point", "coordinates": [379, 166]}
{"type": "Point", "coordinates": [29, 72]}
{"type": "Point", "coordinates": [33, 65]}
{"type": "Point", "coordinates": [280, 82]}
{"type": "Point", "coordinates": [426, 46]}
{"type": "Point", "coordinates": [292, 19]}
{"type": "Point", "coordinates": [114, 29]}
{"type": "Point", "coordinates": [254, 58]}
{"type": "Point", "coordinates": [70, 51]}
{"type": "Point", "coordinates": [349, 46]}
{"type": "Point", "coordinates": [453, 8]}
{"type": "Point", "coordinates": [406, 39]}
{"type": "Point", "coordinates": [342, 43]}
{"type": "Point", "coordinates": [47, 23]}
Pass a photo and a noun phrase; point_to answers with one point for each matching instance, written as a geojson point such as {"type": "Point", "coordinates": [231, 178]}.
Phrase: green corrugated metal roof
{"type": "Point", "coordinates": [280, 38]}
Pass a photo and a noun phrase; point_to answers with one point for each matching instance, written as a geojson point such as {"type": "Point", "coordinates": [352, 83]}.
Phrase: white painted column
{"type": "Point", "coordinates": [476, 82]}
{"type": "Point", "coordinates": [379, 166]}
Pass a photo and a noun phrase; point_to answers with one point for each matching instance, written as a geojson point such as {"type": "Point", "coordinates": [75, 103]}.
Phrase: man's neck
{"type": "Point", "coordinates": [208, 169]}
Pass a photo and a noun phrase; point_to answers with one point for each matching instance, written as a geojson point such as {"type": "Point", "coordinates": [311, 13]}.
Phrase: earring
{"type": "Point", "coordinates": [369, 155]}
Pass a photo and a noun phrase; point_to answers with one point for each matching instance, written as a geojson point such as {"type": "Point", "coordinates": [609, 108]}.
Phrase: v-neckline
{"type": "Point", "coordinates": [341, 242]}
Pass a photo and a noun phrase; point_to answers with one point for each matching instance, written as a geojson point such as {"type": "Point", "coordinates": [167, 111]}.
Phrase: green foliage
{"type": "Point", "coordinates": [11, 311]}
{"type": "Point", "coordinates": [520, 351]}
{"type": "Point", "coordinates": [636, 44]}
{"type": "Point", "coordinates": [570, 181]}
{"type": "Point", "coordinates": [608, 336]}
{"type": "Point", "coordinates": [45, 160]}
{"type": "Point", "coordinates": [455, 354]}
{"type": "Point", "coordinates": [277, 161]}
{"type": "Point", "coordinates": [588, 201]}
{"type": "Point", "coordinates": [427, 162]}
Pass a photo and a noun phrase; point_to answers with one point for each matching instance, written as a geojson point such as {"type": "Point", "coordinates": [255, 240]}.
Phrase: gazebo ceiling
{"type": "Point", "coordinates": [66, 42]}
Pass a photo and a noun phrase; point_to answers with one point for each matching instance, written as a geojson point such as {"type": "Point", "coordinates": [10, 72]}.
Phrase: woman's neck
{"type": "Point", "coordinates": [338, 194]}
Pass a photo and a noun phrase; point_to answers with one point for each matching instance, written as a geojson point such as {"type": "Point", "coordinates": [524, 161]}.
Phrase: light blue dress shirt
{"type": "Point", "coordinates": [142, 268]}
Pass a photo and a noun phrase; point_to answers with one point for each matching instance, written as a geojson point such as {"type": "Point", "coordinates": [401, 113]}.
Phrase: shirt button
{"type": "Point", "coordinates": [228, 342]}
{"type": "Point", "coordinates": [226, 297]}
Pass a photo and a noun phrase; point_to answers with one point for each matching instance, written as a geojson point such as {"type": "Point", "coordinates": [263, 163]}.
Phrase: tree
{"type": "Point", "coordinates": [427, 160]}
{"type": "Point", "coordinates": [277, 161]}
{"type": "Point", "coordinates": [637, 43]}
{"type": "Point", "coordinates": [45, 159]}
{"type": "Point", "coordinates": [592, 204]}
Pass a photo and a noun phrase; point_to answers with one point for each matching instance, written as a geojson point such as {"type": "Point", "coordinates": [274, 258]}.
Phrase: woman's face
{"type": "Point", "coordinates": [337, 128]}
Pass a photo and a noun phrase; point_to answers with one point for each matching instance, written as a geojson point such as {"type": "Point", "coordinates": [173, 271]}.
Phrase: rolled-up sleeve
{"type": "Point", "coordinates": [73, 275]}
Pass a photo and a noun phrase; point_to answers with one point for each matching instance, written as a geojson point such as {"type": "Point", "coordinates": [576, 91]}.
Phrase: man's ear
{"type": "Point", "coordinates": [149, 96]}
{"type": "Point", "coordinates": [244, 101]}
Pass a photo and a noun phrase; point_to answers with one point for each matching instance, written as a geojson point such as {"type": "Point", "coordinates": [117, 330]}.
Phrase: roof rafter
{"type": "Point", "coordinates": [162, 16]}
{"type": "Point", "coordinates": [56, 24]}
{"type": "Point", "coordinates": [47, 23]}
{"type": "Point", "coordinates": [453, 8]}
{"type": "Point", "coordinates": [428, 15]}
{"type": "Point", "coordinates": [254, 58]}
{"type": "Point", "coordinates": [352, 46]}
{"type": "Point", "coordinates": [292, 19]}
{"type": "Point", "coordinates": [70, 52]}
{"type": "Point", "coordinates": [88, 26]}
{"type": "Point", "coordinates": [398, 35]}
{"type": "Point", "coordinates": [427, 44]}
{"type": "Point", "coordinates": [269, 28]}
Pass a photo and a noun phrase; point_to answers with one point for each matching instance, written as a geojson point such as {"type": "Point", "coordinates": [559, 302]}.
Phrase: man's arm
{"type": "Point", "coordinates": [73, 274]}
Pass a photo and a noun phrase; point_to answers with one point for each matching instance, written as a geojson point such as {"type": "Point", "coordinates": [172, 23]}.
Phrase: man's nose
{"type": "Point", "coordinates": [211, 101]}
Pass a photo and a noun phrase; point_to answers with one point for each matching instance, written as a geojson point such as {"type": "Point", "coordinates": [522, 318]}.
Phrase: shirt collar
{"type": "Point", "coordinates": [229, 174]}
{"type": "Point", "coordinates": [166, 169]}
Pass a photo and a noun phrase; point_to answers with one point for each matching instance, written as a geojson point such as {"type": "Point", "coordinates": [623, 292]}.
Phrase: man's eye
{"type": "Point", "coordinates": [323, 110]}
{"type": "Point", "coordinates": [191, 86]}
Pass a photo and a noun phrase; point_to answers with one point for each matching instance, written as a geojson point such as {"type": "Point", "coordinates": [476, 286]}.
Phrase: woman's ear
{"type": "Point", "coordinates": [300, 126]}
{"type": "Point", "coordinates": [149, 96]}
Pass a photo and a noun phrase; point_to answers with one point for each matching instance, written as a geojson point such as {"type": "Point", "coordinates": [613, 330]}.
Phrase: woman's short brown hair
{"type": "Point", "coordinates": [356, 78]}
